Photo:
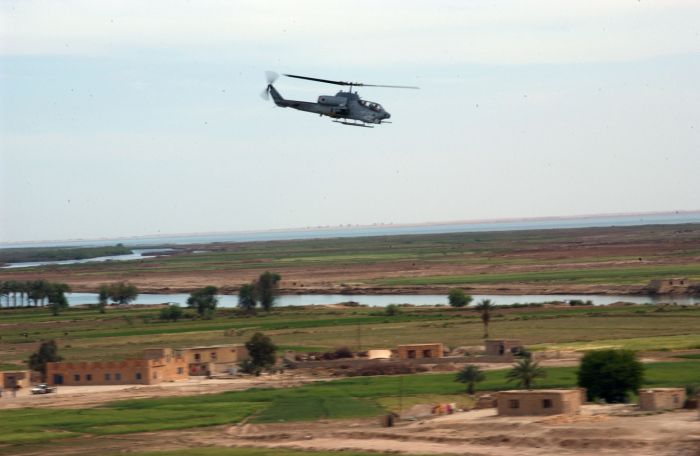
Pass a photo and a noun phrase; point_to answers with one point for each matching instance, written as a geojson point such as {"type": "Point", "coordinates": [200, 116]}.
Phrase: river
{"type": "Point", "coordinates": [385, 300]}
{"type": "Point", "coordinates": [136, 254]}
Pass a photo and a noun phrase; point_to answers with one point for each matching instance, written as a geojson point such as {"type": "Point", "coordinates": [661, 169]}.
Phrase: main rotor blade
{"type": "Point", "coordinates": [328, 81]}
{"type": "Point", "coordinates": [355, 84]}
{"type": "Point", "coordinates": [389, 86]}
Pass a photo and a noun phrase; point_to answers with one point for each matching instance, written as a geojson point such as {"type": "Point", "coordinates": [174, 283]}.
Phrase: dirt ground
{"type": "Point", "coordinates": [93, 396]}
{"type": "Point", "coordinates": [482, 432]}
{"type": "Point", "coordinates": [598, 430]}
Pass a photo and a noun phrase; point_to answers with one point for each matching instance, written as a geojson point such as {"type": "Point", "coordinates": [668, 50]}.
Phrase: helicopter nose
{"type": "Point", "coordinates": [387, 115]}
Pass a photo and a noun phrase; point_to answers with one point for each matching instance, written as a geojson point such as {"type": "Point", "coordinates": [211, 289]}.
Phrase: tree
{"type": "Point", "coordinates": [204, 300]}
{"type": "Point", "coordinates": [392, 310]}
{"type": "Point", "coordinates": [610, 374]}
{"type": "Point", "coordinates": [457, 298]}
{"type": "Point", "coordinates": [171, 313]}
{"type": "Point", "coordinates": [266, 289]}
{"type": "Point", "coordinates": [123, 293]}
{"type": "Point", "coordinates": [47, 353]}
{"type": "Point", "coordinates": [103, 297]}
{"type": "Point", "coordinates": [471, 375]}
{"type": "Point", "coordinates": [485, 306]}
{"type": "Point", "coordinates": [247, 300]}
{"type": "Point", "coordinates": [57, 297]}
{"type": "Point", "coordinates": [525, 372]}
{"type": "Point", "coordinates": [38, 291]}
{"type": "Point", "coordinates": [261, 351]}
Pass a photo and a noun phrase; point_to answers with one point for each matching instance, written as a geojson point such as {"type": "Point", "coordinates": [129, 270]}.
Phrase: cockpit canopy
{"type": "Point", "coordinates": [376, 107]}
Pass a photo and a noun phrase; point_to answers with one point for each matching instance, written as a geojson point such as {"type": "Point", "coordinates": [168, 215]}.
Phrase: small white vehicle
{"type": "Point", "coordinates": [43, 388]}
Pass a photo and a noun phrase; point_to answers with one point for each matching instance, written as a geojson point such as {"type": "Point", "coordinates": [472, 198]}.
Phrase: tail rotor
{"type": "Point", "coordinates": [271, 77]}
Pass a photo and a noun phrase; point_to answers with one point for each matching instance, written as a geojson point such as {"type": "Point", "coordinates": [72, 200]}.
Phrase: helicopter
{"type": "Point", "coordinates": [346, 108]}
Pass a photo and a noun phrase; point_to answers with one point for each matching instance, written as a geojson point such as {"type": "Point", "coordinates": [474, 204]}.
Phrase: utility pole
{"type": "Point", "coordinates": [400, 395]}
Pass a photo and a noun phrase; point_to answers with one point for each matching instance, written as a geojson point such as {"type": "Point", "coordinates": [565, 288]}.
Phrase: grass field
{"type": "Point", "coordinates": [347, 398]}
{"type": "Point", "coordinates": [85, 334]}
{"type": "Point", "coordinates": [564, 257]}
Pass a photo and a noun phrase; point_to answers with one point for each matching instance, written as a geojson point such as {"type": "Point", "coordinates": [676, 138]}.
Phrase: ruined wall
{"type": "Point", "coordinates": [418, 351]}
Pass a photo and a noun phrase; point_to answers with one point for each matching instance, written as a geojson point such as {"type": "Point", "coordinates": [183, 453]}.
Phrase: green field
{"type": "Point", "coordinates": [606, 255]}
{"type": "Point", "coordinates": [85, 334]}
{"type": "Point", "coordinates": [347, 398]}
{"type": "Point", "coordinates": [32, 254]}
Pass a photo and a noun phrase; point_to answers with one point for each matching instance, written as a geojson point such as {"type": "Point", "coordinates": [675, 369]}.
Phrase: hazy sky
{"type": "Point", "coordinates": [122, 118]}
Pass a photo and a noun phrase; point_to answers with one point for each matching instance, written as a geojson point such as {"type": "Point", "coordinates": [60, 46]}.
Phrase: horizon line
{"type": "Point", "coordinates": [20, 244]}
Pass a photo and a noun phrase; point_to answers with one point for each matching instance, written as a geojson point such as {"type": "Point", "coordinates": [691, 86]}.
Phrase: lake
{"type": "Point", "coordinates": [385, 300]}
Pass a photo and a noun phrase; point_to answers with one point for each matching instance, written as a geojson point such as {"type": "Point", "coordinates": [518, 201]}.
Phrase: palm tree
{"type": "Point", "coordinates": [525, 372]}
{"type": "Point", "coordinates": [471, 375]}
{"type": "Point", "coordinates": [485, 307]}
{"type": "Point", "coordinates": [4, 293]}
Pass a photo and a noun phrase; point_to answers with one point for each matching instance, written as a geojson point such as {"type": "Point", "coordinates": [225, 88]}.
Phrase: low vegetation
{"type": "Point", "coordinates": [86, 334]}
{"type": "Point", "coordinates": [347, 398]}
{"type": "Point", "coordinates": [37, 254]}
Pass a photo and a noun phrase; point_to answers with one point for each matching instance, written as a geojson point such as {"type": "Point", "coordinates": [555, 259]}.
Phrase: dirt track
{"type": "Point", "coordinates": [93, 396]}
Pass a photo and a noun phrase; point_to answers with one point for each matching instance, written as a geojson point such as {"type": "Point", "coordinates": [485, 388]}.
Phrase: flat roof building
{"type": "Point", "coordinates": [212, 359]}
{"type": "Point", "coordinates": [503, 347]}
{"type": "Point", "coordinates": [15, 379]}
{"type": "Point", "coordinates": [539, 402]}
{"type": "Point", "coordinates": [416, 351]}
{"type": "Point", "coordinates": [155, 366]}
{"type": "Point", "coordinates": [661, 398]}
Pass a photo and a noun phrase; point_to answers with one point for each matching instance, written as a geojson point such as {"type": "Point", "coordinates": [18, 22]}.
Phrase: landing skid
{"type": "Point", "coordinates": [353, 124]}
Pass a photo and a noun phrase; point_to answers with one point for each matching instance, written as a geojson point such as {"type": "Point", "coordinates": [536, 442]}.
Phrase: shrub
{"type": "Point", "coordinates": [343, 352]}
{"type": "Point", "coordinates": [392, 310]}
{"type": "Point", "coordinates": [457, 298]}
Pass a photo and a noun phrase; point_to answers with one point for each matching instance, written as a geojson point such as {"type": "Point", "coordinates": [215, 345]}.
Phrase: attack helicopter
{"type": "Point", "coordinates": [345, 107]}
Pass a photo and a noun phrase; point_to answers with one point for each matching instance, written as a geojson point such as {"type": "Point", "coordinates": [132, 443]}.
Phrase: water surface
{"type": "Point", "coordinates": [385, 300]}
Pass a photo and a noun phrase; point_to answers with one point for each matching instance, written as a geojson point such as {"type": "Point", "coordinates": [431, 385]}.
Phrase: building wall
{"type": "Point", "coordinates": [11, 379]}
{"type": "Point", "coordinates": [502, 347]}
{"type": "Point", "coordinates": [215, 354]}
{"type": "Point", "coordinates": [213, 359]}
{"type": "Point", "coordinates": [125, 372]}
{"type": "Point", "coordinates": [418, 351]}
{"type": "Point", "coordinates": [379, 353]}
{"type": "Point", "coordinates": [661, 398]}
{"type": "Point", "coordinates": [539, 402]}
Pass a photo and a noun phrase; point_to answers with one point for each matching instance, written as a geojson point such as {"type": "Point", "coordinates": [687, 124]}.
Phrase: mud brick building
{"type": "Point", "coordinates": [155, 366]}
{"type": "Point", "coordinates": [416, 351]}
{"type": "Point", "coordinates": [15, 379]}
{"type": "Point", "coordinates": [661, 398]}
{"type": "Point", "coordinates": [503, 347]}
{"type": "Point", "coordinates": [213, 359]}
{"type": "Point", "coordinates": [539, 402]}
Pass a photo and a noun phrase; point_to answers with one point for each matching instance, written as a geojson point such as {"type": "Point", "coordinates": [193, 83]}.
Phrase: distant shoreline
{"type": "Point", "coordinates": [483, 225]}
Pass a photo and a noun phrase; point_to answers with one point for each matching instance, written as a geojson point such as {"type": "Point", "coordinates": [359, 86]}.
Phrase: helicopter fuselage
{"type": "Point", "coordinates": [342, 105]}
